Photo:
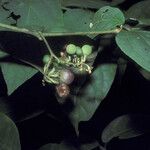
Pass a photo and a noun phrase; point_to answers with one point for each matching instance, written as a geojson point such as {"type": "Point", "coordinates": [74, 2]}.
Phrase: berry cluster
{"type": "Point", "coordinates": [86, 50]}
{"type": "Point", "coordinates": [76, 57]}
{"type": "Point", "coordinates": [60, 72]}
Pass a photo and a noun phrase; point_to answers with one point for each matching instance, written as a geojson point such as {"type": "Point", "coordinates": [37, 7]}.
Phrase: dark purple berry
{"type": "Point", "coordinates": [66, 76]}
{"type": "Point", "coordinates": [63, 90]}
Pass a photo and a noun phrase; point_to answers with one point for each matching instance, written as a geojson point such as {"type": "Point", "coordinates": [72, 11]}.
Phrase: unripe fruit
{"type": "Point", "coordinates": [71, 49]}
{"type": "Point", "coordinates": [79, 51]}
{"type": "Point", "coordinates": [46, 59]}
{"type": "Point", "coordinates": [87, 50]}
{"type": "Point", "coordinates": [66, 76]}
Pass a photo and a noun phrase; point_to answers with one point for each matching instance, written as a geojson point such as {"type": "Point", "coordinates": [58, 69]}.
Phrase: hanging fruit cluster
{"type": "Point", "coordinates": [61, 72]}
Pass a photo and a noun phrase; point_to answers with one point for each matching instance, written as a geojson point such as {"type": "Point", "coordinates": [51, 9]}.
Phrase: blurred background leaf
{"type": "Point", "coordinates": [140, 11]}
{"type": "Point", "coordinates": [92, 93]}
{"type": "Point", "coordinates": [126, 126]}
{"type": "Point", "coordinates": [9, 136]}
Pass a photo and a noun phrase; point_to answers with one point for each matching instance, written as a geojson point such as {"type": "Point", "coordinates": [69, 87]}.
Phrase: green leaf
{"type": "Point", "coordinates": [3, 15]}
{"type": "Point", "coordinates": [107, 18]}
{"type": "Point", "coordinates": [38, 15]}
{"type": "Point", "coordinates": [90, 146]}
{"type": "Point", "coordinates": [67, 146]}
{"type": "Point", "coordinates": [3, 54]}
{"type": "Point", "coordinates": [93, 92]}
{"type": "Point", "coordinates": [89, 4]}
{"type": "Point", "coordinates": [15, 75]}
{"type": "Point", "coordinates": [78, 20]}
{"type": "Point", "coordinates": [9, 136]}
{"type": "Point", "coordinates": [140, 11]}
{"type": "Point", "coordinates": [145, 73]}
{"type": "Point", "coordinates": [136, 45]}
{"type": "Point", "coordinates": [61, 146]}
{"type": "Point", "coordinates": [126, 126]}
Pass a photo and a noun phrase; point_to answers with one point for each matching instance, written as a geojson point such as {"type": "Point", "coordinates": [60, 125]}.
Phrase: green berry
{"type": "Point", "coordinates": [71, 49]}
{"type": "Point", "coordinates": [46, 58]}
{"type": "Point", "coordinates": [79, 51]}
{"type": "Point", "coordinates": [87, 50]}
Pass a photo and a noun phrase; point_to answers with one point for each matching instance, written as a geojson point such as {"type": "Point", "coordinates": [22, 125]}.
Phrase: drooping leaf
{"type": "Point", "coordinates": [126, 126]}
{"type": "Point", "coordinates": [145, 73]}
{"type": "Point", "coordinates": [140, 11]}
{"type": "Point", "coordinates": [136, 45]}
{"type": "Point", "coordinates": [3, 54]}
{"type": "Point", "coordinates": [89, 4]}
{"type": "Point", "coordinates": [66, 146]}
{"type": "Point", "coordinates": [78, 20]}
{"type": "Point", "coordinates": [107, 18]}
{"type": "Point", "coordinates": [61, 146]}
{"type": "Point", "coordinates": [9, 136]}
{"type": "Point", "coordinates": [37, 15]}
{"type": "Point", "coordinates": [90, 146]}
{"type": "Point", "coordinates": [15, 75]}
{"type": "Point", "coordinates": [93, 92]}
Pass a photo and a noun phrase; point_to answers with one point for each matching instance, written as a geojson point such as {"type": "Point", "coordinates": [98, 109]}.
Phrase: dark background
{"type": "Point", "coordinates": [131, 96]}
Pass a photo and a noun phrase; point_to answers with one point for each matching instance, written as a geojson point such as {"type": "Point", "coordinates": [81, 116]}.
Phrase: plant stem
{"type": "Point", "coordinates": [36, 34]}
{"type": "Point", "coordinates": [81, 33]}
{"type": "Point", "coordinates": [48, 47]}
{"type": "Point", "coordinates": [22, 30]}
{"type": "Point", "coordinates": [34, 66]}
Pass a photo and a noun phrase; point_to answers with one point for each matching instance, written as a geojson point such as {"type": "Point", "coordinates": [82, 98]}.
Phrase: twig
{"type": "Point", "coordinates": [34, 66]}
{"type": "Point", "coordinates": [48, 47]}
{"type": "Point", "coordinates": [52, 34]}
{"type": "Point", "coordinates": [22, 30]}
{"type": "Point", "coordinates": [115, 31]}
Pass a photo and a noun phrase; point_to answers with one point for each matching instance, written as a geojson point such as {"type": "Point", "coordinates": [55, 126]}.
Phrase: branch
{"type": "Point", "coordinates": [82, 33]}
{"type": "Point", "coordinates": [22, 30]}
{"type": "Point", "coordinates": [52, 34]}
{"type": "Point", "coordinates": [48, 47]}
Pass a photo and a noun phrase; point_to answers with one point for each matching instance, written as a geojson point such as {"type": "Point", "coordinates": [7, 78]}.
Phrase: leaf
{"type": "Point", "coordinates": [126, 126]}
{"type": "Point", "coordinates": [107, 18]}
{"type": "Point", "coordinates": [78, 20]}
{"type": "Point", "coordinates": [140, 11]}
{"type": "Point", "coordinates": [3, 54]}
{"type": "Point", "coordinates": [15, 75]}
{"type": "Point", "coordinates": [38, 15]}
{"type": "Point", "coordinates": [90, 146]}
{"type": "Point", "coordinates": [9, 136]}
{"type": "Point", "coordinates": [93, 92]}
{"type": "Point", "coordinates": [61, 146]}
{"type": "Point", "coordinates": [145, 73]}
{"type": "Point", "coordinates": [89, 3]}
{"type": "Point", "coordinates": [4, 15]}
{"type": "Point", "coordinates": [67, 146]}
{"type": "Point", "coordinates": [81, 3]}
{"type": "Point", "coordinates": [136, 45]}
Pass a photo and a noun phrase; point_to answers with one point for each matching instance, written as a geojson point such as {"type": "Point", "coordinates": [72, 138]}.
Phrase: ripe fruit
{"type": "Point", "coordinates": [66, 76]}
{"type": "Point", "coordinates": [46, 58]}
{"type": "Point", "coordinates": [71, 49]}
{"type": "Point", "coordinates": [79, 51]}
{"type": "Point", "coordinates": [87, 50]}
{"type": "Point", "coordinates": [63, 90]}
